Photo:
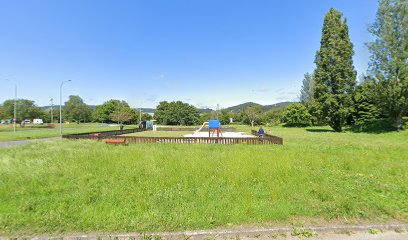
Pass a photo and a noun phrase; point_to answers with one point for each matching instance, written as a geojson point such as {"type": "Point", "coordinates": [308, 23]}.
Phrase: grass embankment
{"type": "Point", "coordinates": [7, 134]}
{"type": "Point", "coordinates": [88, 186]}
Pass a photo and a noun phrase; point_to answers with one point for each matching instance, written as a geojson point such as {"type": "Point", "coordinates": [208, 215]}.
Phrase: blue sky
{"type": "Point", "coordinates": [200, 52]}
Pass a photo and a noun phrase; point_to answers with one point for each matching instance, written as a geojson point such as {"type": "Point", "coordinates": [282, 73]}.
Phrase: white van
{"type": "Point", "coordinates": [38, 121]}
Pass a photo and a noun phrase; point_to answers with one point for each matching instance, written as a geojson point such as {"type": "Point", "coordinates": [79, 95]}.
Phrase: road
{"type": "Point", "coordinates": [22, 142]}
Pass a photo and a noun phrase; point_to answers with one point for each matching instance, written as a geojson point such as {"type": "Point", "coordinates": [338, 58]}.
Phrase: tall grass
{"type": "Point", "coordinates": [87, 186]}
{"type": "Point", "coordinates": [7, 134]}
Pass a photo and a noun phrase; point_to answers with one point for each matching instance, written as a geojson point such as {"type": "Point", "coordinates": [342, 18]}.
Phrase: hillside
{"type": "Point", "coordinates": [264, 108]}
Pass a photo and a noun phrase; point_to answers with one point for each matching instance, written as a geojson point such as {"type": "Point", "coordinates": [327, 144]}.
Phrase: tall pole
{"type": "Point", "coordinates": [52, 104]}
{"type": "Point", "coordinates": [15, 107]}
{"type": "Point", "coordinates": [60, 116]}
{"type": "Point", "coordinates": [216, 111]}
{"type": "Point", "coordinates": [140, 115]}
{"type": "Point", "coordinates": [118, 110]}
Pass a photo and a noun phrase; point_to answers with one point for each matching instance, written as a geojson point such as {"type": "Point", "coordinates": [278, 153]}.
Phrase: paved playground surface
{"type": "Point", "coordinates": [224, 134]}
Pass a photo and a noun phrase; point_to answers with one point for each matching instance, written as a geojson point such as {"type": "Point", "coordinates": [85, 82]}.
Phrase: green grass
{"type": "Point", "coordinates": [88, 186]}
{"type": "Point", "coordinates": [7, 134]}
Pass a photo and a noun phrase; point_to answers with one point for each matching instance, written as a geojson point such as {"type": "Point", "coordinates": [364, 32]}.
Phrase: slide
{"type": "Point", "coordinates": [205, 123]}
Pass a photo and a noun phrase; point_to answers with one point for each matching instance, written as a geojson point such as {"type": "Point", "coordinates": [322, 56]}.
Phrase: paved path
{"type": "Point", "coordinates": [22, 142]}
{"type": "Point", "coordinates": [333, 232]}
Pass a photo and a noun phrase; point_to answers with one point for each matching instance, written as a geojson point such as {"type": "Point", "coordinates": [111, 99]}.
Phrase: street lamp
{"type": "Point", "coordinates": [60, 116]}
{"type": "Point", "coordinates": [140, 112]}
{"type": "Point", "coordinates": [15, 107]}
{"type": "Point", "coordinates": [52, 105]}
{"type": "Point", "coordinates": [140, 115]}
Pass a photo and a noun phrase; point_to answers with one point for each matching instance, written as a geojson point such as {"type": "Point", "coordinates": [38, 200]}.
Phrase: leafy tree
{"type": "Point", "coordinates": [365, 109]}
{"type": "Point", "coordinates": [307, 90]}
{"type": "Point", "coordinates": [146, 117]}
{"type": "Point", "coordinates": [237, 117]}
{"type": "Point", "coordinates": [120, 116]}
{"type": "Point", "coordinates": [223, 115]}
{"type": "Point", "coordinates": [296, 115]}
{"type": "Point", "coordinates": [55, 114]}
{"type": "Point", "coordinates": [253, 114]}
{"type": "Point", "coordinates": [75, 110]}
{"type": "Point", "coordinates": [274, 116]}
{"type": "Point", "coordinates": [2, 115]}
{"type": "Point", "coordinates": [26, 109]}
{"type": "Point", "coordinates": [103, 113]}
{"type": "Point", "coordinates": [389, 54]}
{"type": "Point", "coordinates": [334, 77]}
{"type": "Point", "coordinates": [176, 113]}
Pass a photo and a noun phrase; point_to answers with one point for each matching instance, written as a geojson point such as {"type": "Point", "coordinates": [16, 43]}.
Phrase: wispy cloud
{"type": "Point", "coordinates": [159, 77]}
{"type": "Point", "coordinates": [151, 98]}
{"type": "Point", "coordinates": [262, 89]}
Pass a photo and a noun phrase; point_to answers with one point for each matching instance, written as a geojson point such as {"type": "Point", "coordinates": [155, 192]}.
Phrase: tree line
{"type": "Point", "coordinates": [74, 110]}
{"type": "Point", "coordinates": [330, 95]}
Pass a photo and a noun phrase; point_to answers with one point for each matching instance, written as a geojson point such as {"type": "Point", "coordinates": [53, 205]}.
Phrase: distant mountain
{"type": "Point", "coordinates": [277, 105]}
{"type": "Point", "coordinates": [264, 108]}
{"type": "Point", "coordinates": [242, 106]}
{"type": "Point", "coordinates": [146, 110]}
{"type": "Point", "coordinates": [205, 110]}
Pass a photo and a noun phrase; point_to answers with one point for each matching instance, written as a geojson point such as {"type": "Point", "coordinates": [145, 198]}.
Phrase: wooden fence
{"type": "Point", "coordinates": [267, 139]}
{"type": "Point", "coordinates": [209, 140]}
{"type": "Point", "coordinates": [101, 135]}
{"type": "Point", "coordinates": [276, 139]}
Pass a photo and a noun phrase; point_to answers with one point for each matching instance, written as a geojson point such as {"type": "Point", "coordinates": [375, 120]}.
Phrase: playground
{"type": "Point", "coordinates": [210, 129]}
{"type": "Point", "coordinates": [210, 132]}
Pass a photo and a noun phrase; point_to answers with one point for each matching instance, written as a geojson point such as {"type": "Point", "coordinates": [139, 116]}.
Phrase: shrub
{"type": "Point", "coordinates": [296, 115]}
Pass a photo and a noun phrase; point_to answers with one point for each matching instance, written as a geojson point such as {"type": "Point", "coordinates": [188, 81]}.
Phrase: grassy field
{"type": "Point", "coordinates": [88, 186]}
{"type": "Point", "coordinates": [7, 134]}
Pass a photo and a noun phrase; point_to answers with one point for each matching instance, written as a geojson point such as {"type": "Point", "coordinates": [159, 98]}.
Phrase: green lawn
{"type": "Point", "coordinates": [88, 186]}
{"type": "Point", "coordinates": [7, 134]}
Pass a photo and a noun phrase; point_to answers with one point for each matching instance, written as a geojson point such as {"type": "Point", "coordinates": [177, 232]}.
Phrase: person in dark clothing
{"type": "Point", "coordinates": [261, 132]}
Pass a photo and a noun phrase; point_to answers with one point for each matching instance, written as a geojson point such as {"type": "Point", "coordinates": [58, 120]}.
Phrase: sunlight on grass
{"type": "Point", "coordinates": [82, 186]}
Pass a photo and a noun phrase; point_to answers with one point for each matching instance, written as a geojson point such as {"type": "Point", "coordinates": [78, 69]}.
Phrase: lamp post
{"type": "Point", "coordinates": [60, 116]}
{"type": "Point", "coordinates": [52, 104]}
{"type": "Point", "coordinates": [15, 106]}
{"type": "Point", "coordinates": [140, 115]}
{"type": "Point", "coordinates": [140, 112]}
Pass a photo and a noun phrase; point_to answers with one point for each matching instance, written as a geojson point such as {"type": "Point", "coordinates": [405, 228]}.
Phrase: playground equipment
{"type": "Point", "coordinates": [204, 124]}
{"type": "Point", "coordinates": [214, 127]}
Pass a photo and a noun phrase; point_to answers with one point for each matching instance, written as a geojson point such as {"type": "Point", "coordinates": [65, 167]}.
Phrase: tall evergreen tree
{"type": "Point", "coordinates": [365, 107]}
{"type": "Point", "coordinates": [306, 92]}
{"type": "Point", "coordinates": [389, 54]}
{"type": "Point", "coordinates": [334, 77]}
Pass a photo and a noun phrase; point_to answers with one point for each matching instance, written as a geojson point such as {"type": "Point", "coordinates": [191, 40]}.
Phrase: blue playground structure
{"type": "Point", "coordinates": [214, 127]}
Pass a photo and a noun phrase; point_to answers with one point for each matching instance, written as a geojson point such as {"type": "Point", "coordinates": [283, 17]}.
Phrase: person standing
{"type": "Point", "coordinates": [261, 132]}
